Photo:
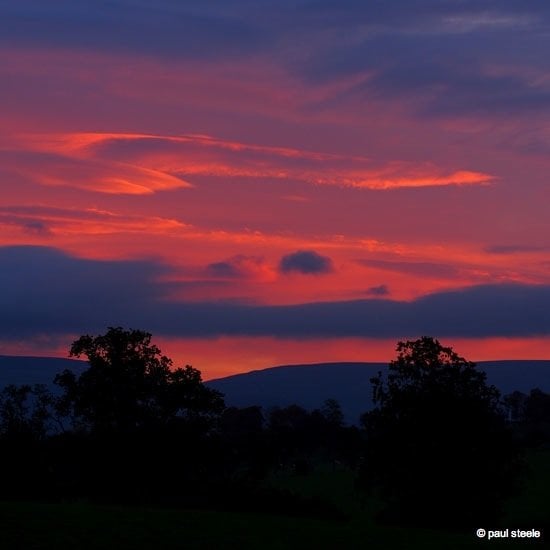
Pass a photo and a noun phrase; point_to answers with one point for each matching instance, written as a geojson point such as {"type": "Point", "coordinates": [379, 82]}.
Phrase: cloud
{"type": "Point", "coordinates": [425, 269]}
{"type": "Point", "coordinates": [223, 270]}
{"type": "Point", "coordinates": [241, 267]}
{"type": "Point", "coordinates": [27, 224]}
{"type": "Point", "coordinates": [450, 57]}
{"type": "Point", "coordinates": [142, 163]}
{"type": "Point", "coordinates": [207, 30]}
{"type": "Point", "coordinates": [46, 292]}
{"type": "Point", "coordinates": [482, 91]}
{"type": "Point", "coordinates": [53, 169]}
{"type": "Point", "coordinates": [476, 312]}
{"type": "Point", "coordinates": [441, 75]}
{"type": "Point", "coordinates": [380, 290]}
{"type": "Point", "coordinates": [165, 28]}
{"type": "Point", "coordinates": [306, 262]}
{"type": "Point", "coordinates": [514, 249]}
{"type": "Point", "coordinates": [438, 58]}
{"type": "Point", "coordinates": [50, 220]}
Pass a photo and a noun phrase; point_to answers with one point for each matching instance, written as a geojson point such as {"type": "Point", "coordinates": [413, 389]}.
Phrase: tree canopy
{"type": "Point", "coordinates": [26, 412]}
{"type": "Point", "coordinates": [439, 451]}
{"type": "Point", "coordinates": [130, 385]}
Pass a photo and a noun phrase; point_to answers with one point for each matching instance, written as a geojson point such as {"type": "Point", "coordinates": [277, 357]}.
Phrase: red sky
{"type": "Point", "coordinates": [282, 156]}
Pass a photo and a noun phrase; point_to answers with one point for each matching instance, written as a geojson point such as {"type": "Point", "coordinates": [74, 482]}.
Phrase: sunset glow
{"type": "Point", "coordinates": [219, 177]}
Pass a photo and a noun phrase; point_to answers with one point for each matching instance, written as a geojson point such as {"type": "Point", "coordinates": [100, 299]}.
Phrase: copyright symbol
{"type": "Point", "coordinates": [480, 533]}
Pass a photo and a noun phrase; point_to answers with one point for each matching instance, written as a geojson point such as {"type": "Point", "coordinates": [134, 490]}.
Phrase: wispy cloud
{"type": "Point", "coordinates": [92, 174]}
{"type": "Point", "coordinates": [422, 268]}
{"type": "Point", "coordinates": [142, 163]}
{"type": "Point", "coordinates": [515, 248]}
{"type": "Point", "coordinates": [52, 221]}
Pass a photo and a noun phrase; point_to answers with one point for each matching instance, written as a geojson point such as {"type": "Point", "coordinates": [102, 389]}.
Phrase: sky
{"type": "Point", "coordinates": [267, 182]}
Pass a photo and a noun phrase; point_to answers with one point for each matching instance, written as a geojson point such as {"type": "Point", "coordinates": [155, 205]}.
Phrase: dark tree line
{"type": "Point", "coordinates": [132, 428]}
{"type": "Point", "coordinates": [529, 415]}
{"type": "Point", "coordinates": [129, 427]}
{"type": "Point", "coordinates": [439, 448]}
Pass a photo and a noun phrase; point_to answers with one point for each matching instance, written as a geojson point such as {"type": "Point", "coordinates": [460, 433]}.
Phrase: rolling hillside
{"type": "Point", "coordinates": [349, 383]}
{"type": "Point", "coordinates": [35, 370]}
{"type": "Point", "coordinates": [305, 385]}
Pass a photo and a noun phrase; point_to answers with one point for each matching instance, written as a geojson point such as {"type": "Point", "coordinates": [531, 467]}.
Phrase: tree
{"type": "Point", "coordinates": [130, 385]}
{"type": "Point", "coordinates": [530, 415]}
{"type": "Point", "coordinates": [537, 407]}
{"type": "Point", "coordinates": [438, 448]}
{"type": "Point", "coordinates": [25, 412]}
{"type": "Point", "coordinates": [26, 421]}
{"type": "Point", "coordinates": [130, 410]}
{"type": "Point", "coordinates": [332, 413]}
{"type": "Point", "coordinates": [515, 406]}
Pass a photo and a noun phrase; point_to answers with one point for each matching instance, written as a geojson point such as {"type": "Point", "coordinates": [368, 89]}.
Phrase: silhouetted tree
{"type": "Point", "coordinates": [130, 410]}
{"type": "Point", "coordinates": [332, 413]}
{"type": "Point", "coordinates": [515, 405]}
{"type": "Point", "coordinates": [130, 385]}
{"type": "Point", "coordinates": [26, 412]}
{"type": "Point", "coordinates": [438, 448]}
{"type": "Point", "coordinates": [242, 424]}
{"type": "Point", "coordinates": [536, 408]}
{"type": "Point", "coordinates": [530, 415]}
{"type": "Point", "coordinates": [247, 454]}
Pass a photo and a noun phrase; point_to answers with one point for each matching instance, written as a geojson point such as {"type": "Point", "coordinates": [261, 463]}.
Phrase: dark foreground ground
{"type": "Point", "coordinates": [29, 526]}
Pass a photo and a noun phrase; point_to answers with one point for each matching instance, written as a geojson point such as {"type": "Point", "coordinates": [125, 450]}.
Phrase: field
{"type": "Point", "coordinates": [85, 526]}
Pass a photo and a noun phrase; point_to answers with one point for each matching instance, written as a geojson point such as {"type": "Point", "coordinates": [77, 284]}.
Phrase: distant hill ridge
{"type": "Point", "coordinates": [17, 369]}
{"type": "Point", "coordinates": [305, 385]}
{"type": "Point", "coordinates": [309, 385]}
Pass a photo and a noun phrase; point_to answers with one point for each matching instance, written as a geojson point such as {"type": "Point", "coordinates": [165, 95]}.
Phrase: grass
{"type": "Point", "coordinates": [532, 507]}
{"type": "Point", "coordinates": [31, 526]}
{"type": "Point", "coordinates": [84, 526]}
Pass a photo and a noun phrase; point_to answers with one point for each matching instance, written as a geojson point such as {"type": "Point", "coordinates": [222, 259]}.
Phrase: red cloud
{"type": "Point", "coordinates": [145, 163]}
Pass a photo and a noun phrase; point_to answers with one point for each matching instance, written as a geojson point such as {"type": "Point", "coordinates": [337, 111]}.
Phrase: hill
{"type": "Point", "coordinates": [17, 369]}
{"type": "Point", "coordinates": [305, 385]}
{"type": "Point", "coordinates": [349, 383]}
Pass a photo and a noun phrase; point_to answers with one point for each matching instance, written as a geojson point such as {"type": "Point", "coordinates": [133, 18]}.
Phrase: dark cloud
{"type": "Point", "coordinates": [166, 28]}
{"type": "Point", "coordinates": [46, 292]}
{"type": "Point", "coordinates": [440, 75]}
{"type": "Point", "coordinates": [43, 290]}
{"type": "Point", "coordinates": [236, 267]}
{"type": "Point", "coordinates": [439, 57]}
{"type": "Point", "coordinates": [482, 311]}
{"type": "Point", "coordinates": [307, 262]}
{"type": "Point", "coordinates": [409, 12]}
{"type": "Point", "coordinates": [225, 270]}
{"type": "Point", "coordinates": [380, 290]}
{"type": "Point", "coordinates": [476, 92]}
{"type": "Point", "coordinates": [439, 54]}
{"type": "Point", "coordinates": [27, 224]}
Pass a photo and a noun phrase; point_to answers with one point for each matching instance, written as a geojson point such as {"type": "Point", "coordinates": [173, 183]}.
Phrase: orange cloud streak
{"type": "Point", "coordinates": [88, 221]}
{"type": "Point", "coordinates": [162, 158]}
